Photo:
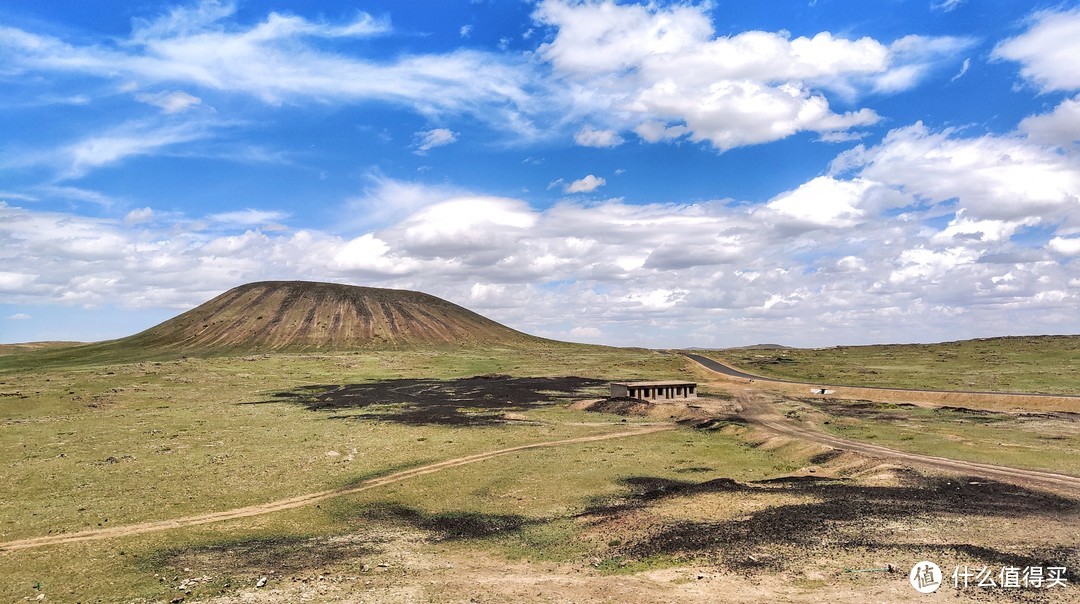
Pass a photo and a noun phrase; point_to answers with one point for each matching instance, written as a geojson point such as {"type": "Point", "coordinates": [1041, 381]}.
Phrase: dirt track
{"type": "Point", "coordinates": [757, 410]}
{"type": "Point", "coordinates": [760, 412]}
{"type": "Point", "coordinates": [307, 499]}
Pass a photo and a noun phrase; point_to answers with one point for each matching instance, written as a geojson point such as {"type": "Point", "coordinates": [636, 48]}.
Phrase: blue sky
{"type": "Point", "coordinates": [809, 173]}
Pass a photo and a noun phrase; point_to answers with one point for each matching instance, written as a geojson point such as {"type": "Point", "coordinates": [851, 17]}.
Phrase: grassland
{"type": "Point", "coordinates": [102, 445]}
{"type": "Point", "coordinates": [109, 441]}
{"type": "Point", "coordinates": [1043, 364]}
{"type": "Point", "coordinates": [1037, 441]}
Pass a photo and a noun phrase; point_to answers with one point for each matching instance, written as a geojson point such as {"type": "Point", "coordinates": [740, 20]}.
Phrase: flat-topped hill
{"type": "Point", "coordinates": [300, 315]}
{"type": "Point", "coordinates": [295, 316]}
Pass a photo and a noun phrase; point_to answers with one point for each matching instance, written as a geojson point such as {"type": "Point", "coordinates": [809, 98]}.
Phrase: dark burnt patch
{"type": "Point", "coordinates": [872, 410]}
{"type": "Point", "coordinates": [482, 400]}
{"type": "Point", "coordinates": [722, 421]}
{"type": "Point", "coordinates": [843, 515]}
{"type": "Point", "coordinates": [448, 525]}
{"type": "Point", "coordinates": [643, 490]}
{"type": "Point", "coordinates": [262, 555]}
{"type": "Point", "coordinates": [826, 456]}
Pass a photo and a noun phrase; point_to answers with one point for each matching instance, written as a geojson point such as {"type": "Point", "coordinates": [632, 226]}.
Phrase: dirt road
{"type": "Point", "coordinates": [758, 410]}
{"type": "Point", "coordinates": [723, 369]}
{"type": "Point", "coordinates": [307, 499]}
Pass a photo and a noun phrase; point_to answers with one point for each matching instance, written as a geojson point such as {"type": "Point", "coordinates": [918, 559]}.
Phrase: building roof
{"type": "Point", "coordinates": [651, 384]}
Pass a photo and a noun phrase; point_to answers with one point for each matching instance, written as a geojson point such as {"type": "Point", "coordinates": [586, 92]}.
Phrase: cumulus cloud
{"type": "Point", "coordinates": [994, 177]}
{"type": "Point", "coordinates": [1068, 246]}
{"type": "Point", "coordinates": [822, 202]}
{"type": "Point", "coordinates": [1060, 127]}
{"type": "Point", "coordinates": [1047, 51]}
{"type": "Point", "coordinates": [838, 251]}
{"type": "Point", "coordinates": [585, 185]}
{"type": "Point", "coordinates": [429, 139]}
{"type": "Point", "coordinates": [139, 216]}
{"type": "Point", "coordinates": [667, 72]}
{"type": "Point", "coordinates": [660, 71]}
{"type": "Point", "coordinates": [591, 137]}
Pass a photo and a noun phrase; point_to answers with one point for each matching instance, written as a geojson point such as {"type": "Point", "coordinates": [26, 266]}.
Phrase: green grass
{"type": "Point", "coordinates": [1042, 364]}
{"type": "Point", "coordinates": [1027, 441]}
{"type": "Point", "coordinates": [119, 443]}
{"type": "Point", "coordinates": [104, 444]}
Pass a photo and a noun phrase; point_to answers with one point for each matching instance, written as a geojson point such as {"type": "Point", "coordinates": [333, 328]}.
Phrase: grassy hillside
{"type": "Point", "coordinates": [294, 316]}
{"type": "Point", "coordinates": [1038, 364]}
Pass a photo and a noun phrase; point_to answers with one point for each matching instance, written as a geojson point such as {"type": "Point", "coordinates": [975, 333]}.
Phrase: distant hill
{"type": "Point", "coordinates": [31, 346]}
{"type": "Point", "coordinates": [297, 316]}
{"type": "Point", "coordinates": [1036, 364]}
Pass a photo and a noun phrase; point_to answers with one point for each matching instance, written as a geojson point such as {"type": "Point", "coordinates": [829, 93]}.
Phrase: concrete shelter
{"type": "Point", "coordinates": [654, 391]}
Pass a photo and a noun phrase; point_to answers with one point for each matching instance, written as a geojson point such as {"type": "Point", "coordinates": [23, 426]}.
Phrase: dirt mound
{"type": "Point", "coordinates": [685, 414]}
{"type": "Point", "coordinates": [299, 315]}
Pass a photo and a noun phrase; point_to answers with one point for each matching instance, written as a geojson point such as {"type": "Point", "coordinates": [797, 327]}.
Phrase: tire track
{"type": "Point", "coordinates": [306, 499]}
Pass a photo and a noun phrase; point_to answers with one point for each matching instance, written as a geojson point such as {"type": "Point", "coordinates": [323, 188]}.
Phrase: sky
{"type": "Point", "coordinates": [661, 174]}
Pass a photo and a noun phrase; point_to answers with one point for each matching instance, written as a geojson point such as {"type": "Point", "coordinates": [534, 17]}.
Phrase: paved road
{"type": "Point", "coordinates": [756, 409]}
{"type": "Point", "coordinates": [732, 372]}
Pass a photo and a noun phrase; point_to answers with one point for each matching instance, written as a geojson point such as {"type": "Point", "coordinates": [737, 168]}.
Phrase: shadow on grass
{"type": "Point", "coordinates": [840, 517]}
{"type": "Point", "coordinates": [472, 401]}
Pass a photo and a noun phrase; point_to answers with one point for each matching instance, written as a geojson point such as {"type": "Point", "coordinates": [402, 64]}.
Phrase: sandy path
{"type": "Point", "coordinates": [306, 499]}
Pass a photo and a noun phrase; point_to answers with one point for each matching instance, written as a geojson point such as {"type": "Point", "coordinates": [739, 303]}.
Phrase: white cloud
{"type": "Point", "coordinates": [386, 200]}
{"type": "Point", "coordinates": [915, 57]}
{"type": "Point", "coordinates": [591, 137]}
{"type": "Point", "coordinates": [585, 185]}
{"type": "Point", "coordinates": [283, 59]}
{"type": "Point", "coordinates": [1047, 51]}
{"type": "Point", "coordinates": [661, 71]}
{"type": "Point", "coordinates": [1068, 246]}
{"type": "Point", "coordinates": [78, 194]}
{"type": "Point", "coordinates": [1060, 127]}
{"type": "Point", "coordinates": [993, 177]}
{"type": "Point", "coordinates": [822, 202]}
{"type": "Point", "coordinates": [249, 217]}
{"type": "Point", "coordinates": [131, 139]}
{"type": "Point", "coordinates": [169, 102]}
{"type": "Point", "coordinates": [586, 333]}
{"type": "Point", "coordinates": [430, 139]}
{"type": "Point", "coordinates": [465, 31]}
{"type": "Point", "coordinates": [653, 131]}
{"type": "Point", "coordinates": [667, 74]}
{"type": "Point", "coordinates": [946, 5]}
{"type": "Point", "coordinates": [825, 262]}
{"type": "Point", "coordinates": [20, 316]}
{"type": "Point", "coordinates": [964, 67]}
{"type": "Point", "coordinates": [139, 216]}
